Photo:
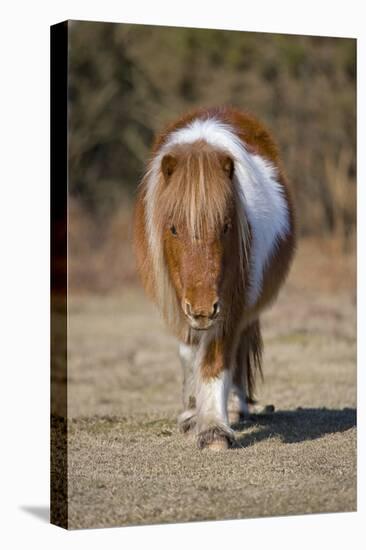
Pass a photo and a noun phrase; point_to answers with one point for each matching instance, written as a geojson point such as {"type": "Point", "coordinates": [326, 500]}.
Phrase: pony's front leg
{"type": "Point", "coordinates": [213, 384]}
{"type": "Point", "coordinates": [187, 419]}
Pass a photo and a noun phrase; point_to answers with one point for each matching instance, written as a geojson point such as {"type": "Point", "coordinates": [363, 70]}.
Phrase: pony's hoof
{"type": "Point", "coordinates": [261, 409]}
{"type": "Point", "coordinates": [187, 421]}
{"type": "Point", "coordinates": [215, 439]}
{"type": "Point", "coordinates": [236, 417]}
{"type": "Point", "coordinates": [219, 444]}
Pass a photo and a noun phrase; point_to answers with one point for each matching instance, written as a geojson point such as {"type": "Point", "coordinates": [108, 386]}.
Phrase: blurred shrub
{"type": "Point", "coordinates": [126, 81]}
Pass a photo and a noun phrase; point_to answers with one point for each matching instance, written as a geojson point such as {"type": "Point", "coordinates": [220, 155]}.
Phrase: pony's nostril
{"type": "Point", "coordinates": [215, 309]}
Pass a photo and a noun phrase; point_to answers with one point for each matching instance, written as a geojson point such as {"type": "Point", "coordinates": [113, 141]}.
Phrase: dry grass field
{"type": "Point", "coordinates": [127, 462]}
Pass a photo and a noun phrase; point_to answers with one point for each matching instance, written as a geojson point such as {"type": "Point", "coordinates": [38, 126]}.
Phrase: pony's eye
{"type": "Point", "coordinates": [173, 230]}
{"type": "Point", "coordinates": [226, 228]}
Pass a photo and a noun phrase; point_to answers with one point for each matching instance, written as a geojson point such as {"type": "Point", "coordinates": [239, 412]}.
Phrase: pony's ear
{"type": "Point", "coordinates": [168, 165]}
{"type": "Point", "coordinates": [227, 164]}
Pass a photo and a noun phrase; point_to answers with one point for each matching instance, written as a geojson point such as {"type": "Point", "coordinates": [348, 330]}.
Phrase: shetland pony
{"type": "Point", "coordinates": [214, 236]}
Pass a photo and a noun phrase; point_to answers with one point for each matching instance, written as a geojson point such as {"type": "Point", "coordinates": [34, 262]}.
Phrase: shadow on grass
{"type": "Point", "coordinates": [296, 426]}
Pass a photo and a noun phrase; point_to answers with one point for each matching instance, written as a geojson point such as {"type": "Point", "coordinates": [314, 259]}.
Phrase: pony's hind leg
{"type": "Point", "coordinates": [248, 363]}
{"type": "Point", "coordinates": [238, 408]}
{"type": "Point", "coordinates": [187, 419]}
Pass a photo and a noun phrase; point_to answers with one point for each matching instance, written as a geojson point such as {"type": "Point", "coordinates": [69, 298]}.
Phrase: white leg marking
{"type": "Point", "coordinates": [187, 356]}
{"type": "Point", "coordinates": [212, 398]}
{"type": "Point", "coordinates": [187, 353]}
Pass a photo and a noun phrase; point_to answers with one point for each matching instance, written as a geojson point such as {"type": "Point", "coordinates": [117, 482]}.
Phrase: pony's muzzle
{"type": "Point", "coordinates": [199, 317]}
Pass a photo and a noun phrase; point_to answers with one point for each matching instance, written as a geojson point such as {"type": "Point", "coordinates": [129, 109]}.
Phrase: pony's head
{"type": "Point", "coordinates": [198, 227]}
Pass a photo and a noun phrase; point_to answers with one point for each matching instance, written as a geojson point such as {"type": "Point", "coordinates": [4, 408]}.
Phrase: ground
{"type": "Point", "coordinates": [129, 465]}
